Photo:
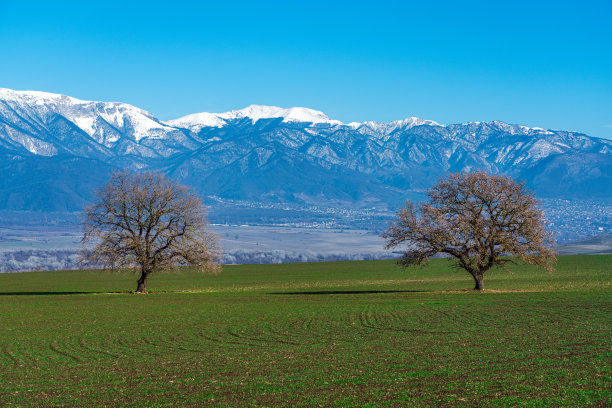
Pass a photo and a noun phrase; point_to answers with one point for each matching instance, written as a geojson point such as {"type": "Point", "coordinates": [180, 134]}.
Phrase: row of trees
{"type": "Point", "coordinates": [147, 222]}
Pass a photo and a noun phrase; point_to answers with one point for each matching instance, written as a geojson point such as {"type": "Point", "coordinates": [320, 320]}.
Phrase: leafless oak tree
{"type": "Point", "coordinates": [147, 222]}
{"type": "Point", "coordinates": [481, 220]}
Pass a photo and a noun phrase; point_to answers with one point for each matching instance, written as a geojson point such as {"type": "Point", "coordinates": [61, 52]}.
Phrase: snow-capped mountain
{"type": "Point", "coordinates": [55, 149]}
{"type": "Point", "coordinates": [197, 121]}
{"type": "Point", "coordinates": [47, 124]}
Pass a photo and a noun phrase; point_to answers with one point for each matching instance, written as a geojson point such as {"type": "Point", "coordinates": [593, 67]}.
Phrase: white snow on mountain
{"type": "Point", "coordinates": [413, 121]}
{"type": "Point", "coordinates": [34, 97]}
{"type": "Point", "coordinates": [257, 112]}
{"type": "Point", "coordinates": [197, 121]}
{"type": "Point", "coordinates": [87, 115]}
{"type": "Point", "coordinates": [126, 129]}
{"type": "Point", "coordinates": [300, 155]}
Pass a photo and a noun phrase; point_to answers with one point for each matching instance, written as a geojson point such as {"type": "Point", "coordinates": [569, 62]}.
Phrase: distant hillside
{"type": "Point", "coordinates": [601, 244]}
{"type": "Point", "coordinates": [55, 149]}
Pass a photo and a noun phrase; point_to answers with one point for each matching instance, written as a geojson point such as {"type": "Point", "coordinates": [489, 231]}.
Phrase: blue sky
{"type": "Point", "coordinates": [538, 63]}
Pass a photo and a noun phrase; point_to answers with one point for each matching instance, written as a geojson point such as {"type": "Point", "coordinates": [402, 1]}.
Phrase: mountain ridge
{"type": "Point", "coordinates": [256, 112]}
{"type": "Point", "coordinates": [272, 154]}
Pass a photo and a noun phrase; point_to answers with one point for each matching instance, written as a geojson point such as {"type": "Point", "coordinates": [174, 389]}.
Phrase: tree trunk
{"type": "Point", "coordinates": [478, 279]}
{"type": "Point", "coordinates": [142, 282]}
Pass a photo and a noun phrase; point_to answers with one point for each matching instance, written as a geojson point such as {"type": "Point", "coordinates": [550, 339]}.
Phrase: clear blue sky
{"type": "Point", "coordinates": [538, 63]}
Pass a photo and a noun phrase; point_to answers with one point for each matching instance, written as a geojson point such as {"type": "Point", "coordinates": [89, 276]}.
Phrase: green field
{"type": "Point", "coordinates": [363, 334]}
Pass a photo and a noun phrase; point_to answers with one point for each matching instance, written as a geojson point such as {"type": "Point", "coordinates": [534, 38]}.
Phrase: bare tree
{"type": "Point", "coordinates": [476, 218]}
{"type": "Point", "coordinates": [147, 222]}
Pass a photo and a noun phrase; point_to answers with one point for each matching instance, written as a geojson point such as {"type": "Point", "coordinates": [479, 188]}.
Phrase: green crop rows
{"type": "Point", "coordinates": [342, 334]}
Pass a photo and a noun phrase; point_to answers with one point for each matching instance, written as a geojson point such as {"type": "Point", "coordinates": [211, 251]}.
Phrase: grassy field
{"type": "Point", "coordinates": [363, 334]}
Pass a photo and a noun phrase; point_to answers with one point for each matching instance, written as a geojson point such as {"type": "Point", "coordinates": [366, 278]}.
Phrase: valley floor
{"type": "Point", "coordinates": [28, 248]}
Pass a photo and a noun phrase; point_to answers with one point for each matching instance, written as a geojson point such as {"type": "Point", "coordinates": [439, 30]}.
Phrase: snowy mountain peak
{"type": "Point", "coordinates": [299, 156]}
{"type": "Point", "coordinates": [198, 121]}
{"type": "Point", "coordinates": [295, 114]}
{"type": "Point", "coordinates": [414, 121]}
{"type": "Point", "coordinates": [402, 124]}
{"type": "Point", "coordinates": [506, 127]}
{"type": "Point", "coordinates": [36, 97]}
{"type": "Point", "coordinates": [90, 116]}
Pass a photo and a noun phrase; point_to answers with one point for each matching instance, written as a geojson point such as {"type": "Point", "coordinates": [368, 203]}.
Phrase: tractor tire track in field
{"type": "Point", "coordinates": [24, 357]}
{"type": "Point", "coordinates": [414, 322]}
{"type": "Point", "coordinates": [263, 333]}
{"type": "Point", "coordinates": [308, 327]}
{"type": "Point", "coordinates": [154, 346]}
{"type": "Point", "coordinates": [456, 319]}
{"type": "Point", "coordinates": [279, 331]}
{"type": "Point", "coordinates": [58, 350]}
{"type": "Point", "coordinates": [80, 349]}
{"type": "Point", "coordinates": [224, 339]}
{"type": "Point", "coordinates": [462, 319]}
{"type": "Point", "coordinates": [179, 342]}
{"type": "Point", "coordinates": [297, 329]}
{"type": "Point", "coordinates": [306, 330]}
{"type": "Point", "coordinates": [372, 320]}
{"type": "Point", "coordinates": [250, 337]}
{"type": "Point", "coordinates": [291, 332]}
{"type": "Point", "coordinates": [385, 320]}
{"type": "Point", "coordinates": [317, 329]}
{"type": "Point", "coordinates": [276, 334]}
{"type": "Point", "coordinates": [135, 347]}
{"type": "Point", "coordinates": [84, 345]}
{"type": "Point", "coordinates": [8, 356]}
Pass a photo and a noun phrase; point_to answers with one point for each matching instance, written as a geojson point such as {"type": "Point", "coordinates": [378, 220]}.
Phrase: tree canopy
{"type": "Point", "coordinates": [147, 222]}
{"type": "Point", "coordinates": [479, 219]}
